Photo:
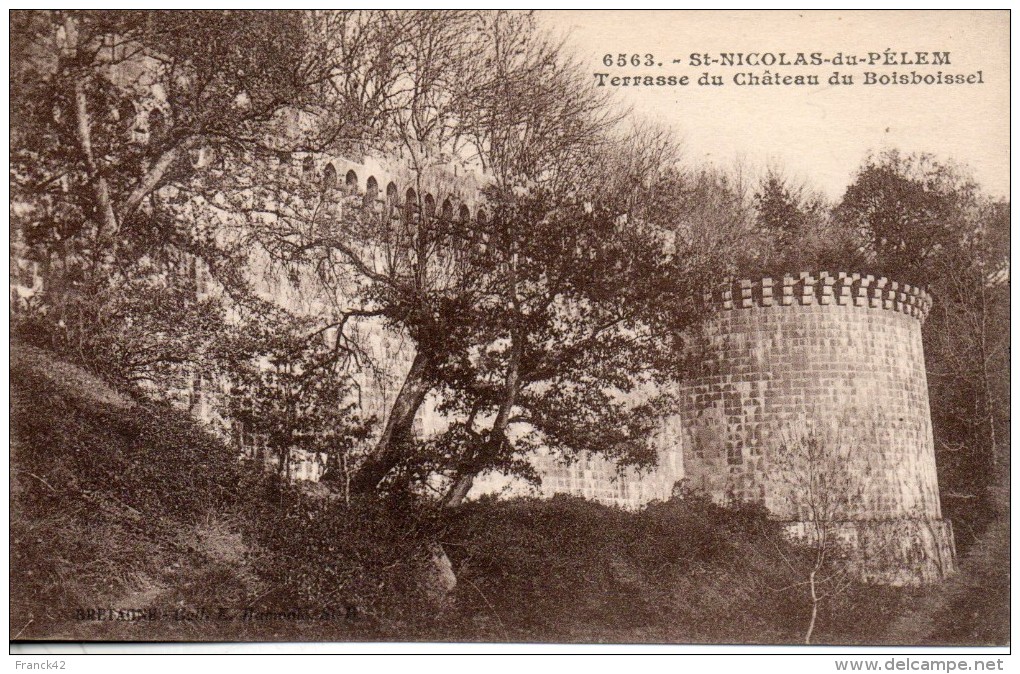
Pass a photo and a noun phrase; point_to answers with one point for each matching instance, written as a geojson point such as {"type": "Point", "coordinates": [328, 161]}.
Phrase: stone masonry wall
{"type": "Point", "coordinates": [602, 480]}
{"type": "Point", "coordinates": [812, 399]}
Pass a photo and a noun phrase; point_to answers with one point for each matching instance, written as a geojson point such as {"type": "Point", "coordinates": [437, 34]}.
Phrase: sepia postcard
{"type": "Point", "coordinates": [630, 328]}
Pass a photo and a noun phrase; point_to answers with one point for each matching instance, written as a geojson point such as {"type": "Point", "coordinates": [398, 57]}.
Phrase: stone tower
{"type": "Point", "coordinates": [810, 396]}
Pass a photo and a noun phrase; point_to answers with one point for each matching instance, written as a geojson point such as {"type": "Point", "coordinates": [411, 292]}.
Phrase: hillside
{"type": "Point", "coordinates": [121, 503]}
{"type": "Point", "coordinates": [115, 503]}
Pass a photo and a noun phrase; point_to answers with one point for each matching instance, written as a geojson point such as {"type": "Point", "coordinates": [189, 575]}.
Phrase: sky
{"type": "Point", "coordinates": [818, 135]}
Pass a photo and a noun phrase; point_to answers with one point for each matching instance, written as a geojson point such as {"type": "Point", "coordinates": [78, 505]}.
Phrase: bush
{"type": "Point", "coordinates": [355, 570]}
{"type": "Point", "coordinates": [566, 569]}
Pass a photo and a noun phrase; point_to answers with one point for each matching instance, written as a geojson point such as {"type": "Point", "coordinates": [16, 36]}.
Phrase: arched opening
{"type": "Point", "coordinates": [328, 177]}
{"type": "Point", "coordinates": [351, 182]}
{"type": "Point", "coordinates": [307, 165]}
{"type": "Point", "coordinates": [410, 205]}
{"type": "Point", "coordinates": [371, 191]}
{"type": "Point", "coordinates": [429, 204]}
{"type": "Point", "coordinates": [480, 236]}
{"type": "Point", "coordinates": [392, 201]}
{"type": "Point", "coordinates": [446, 213]}
{"type": "Point", "coordinates": [464, 215]}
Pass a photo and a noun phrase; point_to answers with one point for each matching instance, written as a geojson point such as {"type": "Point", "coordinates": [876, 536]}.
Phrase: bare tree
{"type": "Point", "coordinates": [823, 484]}
{"type": "Point", "coordinates": [967, 352]}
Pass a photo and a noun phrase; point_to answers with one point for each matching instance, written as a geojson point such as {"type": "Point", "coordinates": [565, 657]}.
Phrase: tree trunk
{"type": "Point", "coordinates": [399, 427]}
{"type": "Point", "coordinates": [989, 407]}
{"type": "Point", "coordinates": [814, 608]}
{"type": "Point", "coordinates": [459, 491]}
{"type": "Point", "coordinates": [497, 436]}
{"type": "Point", "coordinates": [105, 219]}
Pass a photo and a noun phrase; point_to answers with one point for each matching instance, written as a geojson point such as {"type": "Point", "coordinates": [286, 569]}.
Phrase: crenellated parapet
{"type": "Point", "coordinates": [392, 188]}
{"type": "Point", "coordinates": [822, 289]}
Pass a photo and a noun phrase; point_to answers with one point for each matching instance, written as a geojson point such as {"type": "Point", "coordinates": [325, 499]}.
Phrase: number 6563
{"type": "Point", "coordinates": [624, 60]}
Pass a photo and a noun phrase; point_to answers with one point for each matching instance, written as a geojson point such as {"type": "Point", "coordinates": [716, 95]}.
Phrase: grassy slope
{"type": "Point", "coordinates": [117, 502]}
